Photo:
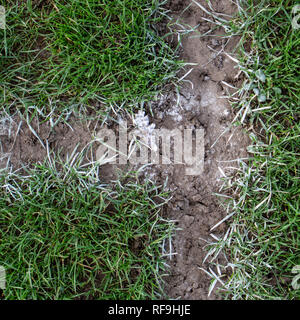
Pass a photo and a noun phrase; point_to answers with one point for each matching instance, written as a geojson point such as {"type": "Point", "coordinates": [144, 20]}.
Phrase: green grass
{"type": "Point", "coordinates": [262, 242]}
{"type": "Point", "coordinates": [64, 235]}
{"type": "Point", "coordinates": [67, 54]}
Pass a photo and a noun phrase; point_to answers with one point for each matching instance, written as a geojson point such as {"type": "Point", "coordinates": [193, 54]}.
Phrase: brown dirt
{"type": "Point", "coordinates": [193, 204]}
{"type": "Point", "coordinates": [20, 147]}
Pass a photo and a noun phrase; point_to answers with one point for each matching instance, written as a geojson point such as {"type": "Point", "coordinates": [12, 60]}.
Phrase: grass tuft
{"type": "Point", "coordinates": [262, 241]}
{"type": "Point", "coordinates": [61, 53]}
{"type": "Point", "coordinates": [64, 235]}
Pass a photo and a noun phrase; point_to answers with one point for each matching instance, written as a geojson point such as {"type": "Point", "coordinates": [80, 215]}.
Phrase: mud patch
{"type": "Point", "coordinates": [194, 204]}
{"type": "Point", "coordinates": [201, 103]}
{"type": "Point", "coordinates": [23, 144]}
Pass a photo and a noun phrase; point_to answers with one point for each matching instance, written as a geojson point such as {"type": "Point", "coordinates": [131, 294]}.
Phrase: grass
{"type": "Point", "coordinates": [64, 235]}
{"type": "Point", "coordinates": [262, 241]}
{"type": "Point", "coordinates": [66, 54]}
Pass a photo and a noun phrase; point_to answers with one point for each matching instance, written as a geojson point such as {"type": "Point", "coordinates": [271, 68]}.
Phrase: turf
{"type": "Point", "coordinates": [64, 235]}
{"type": "Point", "coordinates": [76, 53]}
{"type": "Point", "coordinates": [262, 242]}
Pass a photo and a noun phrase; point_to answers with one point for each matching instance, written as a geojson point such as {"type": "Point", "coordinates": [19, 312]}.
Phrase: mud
{"type": "Point", "coordinates": [23, 146]}
{"type": "Point", "coordinates": [194, 204]}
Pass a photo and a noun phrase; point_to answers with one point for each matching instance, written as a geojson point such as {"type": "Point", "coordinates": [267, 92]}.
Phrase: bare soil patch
{"type": "Point", "coordinates": [194, 204]}
{"type": "Point", "coordinates": [21, 145]}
